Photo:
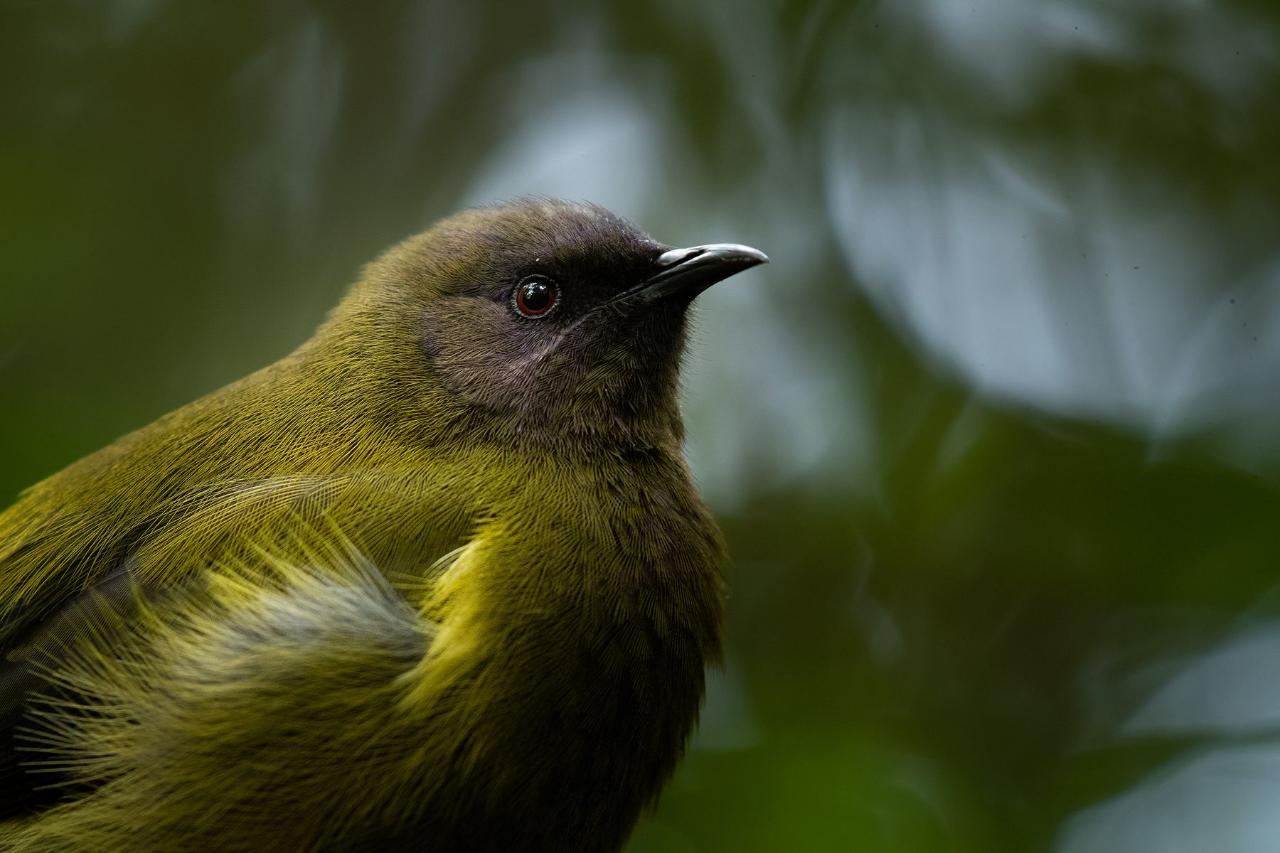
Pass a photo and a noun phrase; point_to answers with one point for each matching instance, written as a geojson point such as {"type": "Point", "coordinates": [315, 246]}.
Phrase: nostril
{"type": "Point", "coordinates": [677, 256]}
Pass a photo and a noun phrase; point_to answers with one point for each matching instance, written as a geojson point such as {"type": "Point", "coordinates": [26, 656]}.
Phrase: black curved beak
{"type": "Point", "coordinates": [691, 271]}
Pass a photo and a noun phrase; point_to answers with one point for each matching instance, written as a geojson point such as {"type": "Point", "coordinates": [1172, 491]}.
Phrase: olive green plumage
{"type": "Point", "coordinates": [438, 579]}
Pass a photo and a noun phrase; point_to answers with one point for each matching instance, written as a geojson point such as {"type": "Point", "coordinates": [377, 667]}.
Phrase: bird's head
{"type": "Point", "coordinates": [545, 318]}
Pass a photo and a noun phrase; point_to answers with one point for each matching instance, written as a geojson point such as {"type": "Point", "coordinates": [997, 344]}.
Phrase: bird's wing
{"type": "Point", "coordinates": [20, 679]}
{"type": "Point", "coordinates": [49, 553]}
{"type": "Point", "coordinates": [241, 705]}
{"type": "Point", "coordinates": [80, 588]}
{"type": "Point", "coordinates": [214, 527]}
{"type": "Point", "coordinates": [53, 550]}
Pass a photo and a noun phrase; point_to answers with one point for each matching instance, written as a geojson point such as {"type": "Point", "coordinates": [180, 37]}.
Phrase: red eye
{"type": "Point", "coordinates": [535, 296]}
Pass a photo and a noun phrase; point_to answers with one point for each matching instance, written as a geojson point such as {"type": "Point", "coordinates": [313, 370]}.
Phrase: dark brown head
{"type": "Point", "coordinates": [551, 318]}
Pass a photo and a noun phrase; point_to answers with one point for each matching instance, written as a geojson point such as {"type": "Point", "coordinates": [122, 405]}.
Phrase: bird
{"type": "Point", "coordinates": [440, 578]}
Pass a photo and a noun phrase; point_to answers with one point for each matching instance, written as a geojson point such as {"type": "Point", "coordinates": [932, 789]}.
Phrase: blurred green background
{"type": "Point", "coordinates": [994, 438]}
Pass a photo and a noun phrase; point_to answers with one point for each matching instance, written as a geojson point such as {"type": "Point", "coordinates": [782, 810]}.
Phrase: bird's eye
{"type": "Point", "coordinates": [535, 296]}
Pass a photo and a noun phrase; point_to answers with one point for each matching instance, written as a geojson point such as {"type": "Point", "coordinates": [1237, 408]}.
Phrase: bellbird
{"type": "Point", "coordinates": [438, 579]}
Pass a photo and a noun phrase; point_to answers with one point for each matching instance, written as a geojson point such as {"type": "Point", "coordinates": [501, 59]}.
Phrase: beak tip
{"type": "Point", "coordinates": [742, 257]}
